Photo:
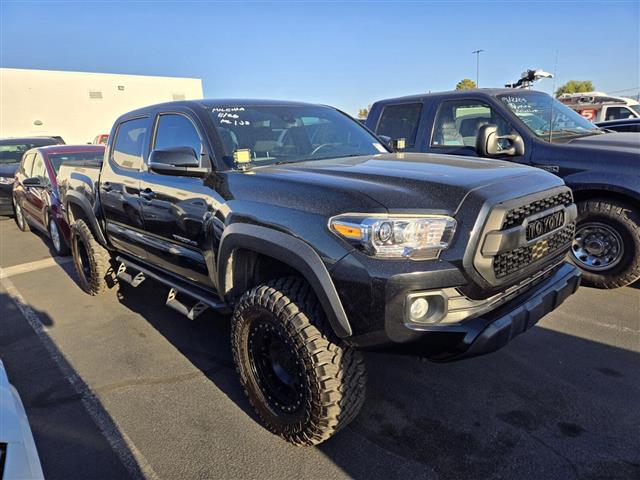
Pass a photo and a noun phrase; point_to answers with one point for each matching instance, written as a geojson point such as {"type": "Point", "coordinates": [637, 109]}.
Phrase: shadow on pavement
{"type": "Point", "coordinates": [550, 405]}
{"type": "Point", "coordinates": [68, 441]}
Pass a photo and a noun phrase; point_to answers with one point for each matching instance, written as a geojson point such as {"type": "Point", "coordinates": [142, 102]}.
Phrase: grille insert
{"type": "Point", "coordinates": [510, 262]}
{"type": "Point", "coordinates": [516, 216]}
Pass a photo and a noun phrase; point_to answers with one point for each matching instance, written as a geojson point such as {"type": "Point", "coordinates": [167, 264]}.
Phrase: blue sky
{"type": "Point", "coordinates": [347, 54]}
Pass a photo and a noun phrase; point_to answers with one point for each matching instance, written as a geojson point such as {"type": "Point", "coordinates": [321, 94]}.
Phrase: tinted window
{"type": "Point", "coordinates": [39, 170]}
{"type": "Point", "coordinates": [177, 131]}
{"type": "Point", "coordinates": [27, 164]}
{"type": "Point", "coordinates": [80, 159]}
{"type": "Point", "coordinates": [458, 122]}
{"type": "Point", "coordinates": [12, 151]}
{"type": "Point", "coordinates": [261, 135]}
{"type": "Point", "coordinates": [400, 121]}
{"type": "Point", "coordinates": [618, 113]}
{"type": "Point", "coordinates": [129, 143]}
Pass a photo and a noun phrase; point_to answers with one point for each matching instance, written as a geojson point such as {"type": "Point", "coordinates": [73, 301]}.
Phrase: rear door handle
{"type": "Point", "coordinates": [106, 186]}
{"type": "Point", "coordinates": [148, 194]}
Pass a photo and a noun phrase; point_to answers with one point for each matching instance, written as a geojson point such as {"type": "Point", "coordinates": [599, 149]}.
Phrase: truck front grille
{"type": "Point", "coordinates": [507, 249]}
{"type": "Point", "coordinates": [516, 216]}
{"type": "Point", "coordinates": [506, 263]}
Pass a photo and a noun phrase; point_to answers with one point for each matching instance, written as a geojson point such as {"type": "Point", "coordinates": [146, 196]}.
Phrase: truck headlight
{"type": "Point", "coordinates": [6, 180]}
{"type": "Point", "coordinates": [419, 237]}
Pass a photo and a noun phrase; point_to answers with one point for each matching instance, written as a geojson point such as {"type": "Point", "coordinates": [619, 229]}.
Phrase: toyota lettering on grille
{"type": "Point", "coordinates": [546, 224]}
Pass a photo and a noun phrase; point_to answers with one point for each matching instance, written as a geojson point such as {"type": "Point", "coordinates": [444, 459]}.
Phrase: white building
{"type": "Point", "coordinates": [78, 105]}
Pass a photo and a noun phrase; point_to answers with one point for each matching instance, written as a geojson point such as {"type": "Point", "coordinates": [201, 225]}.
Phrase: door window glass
{"type": "Point", "coordinates": [177, 131]}
{"type": "Point", "coordinates": [27, 164]}
{"type": "Point", "coordinates": [458, 122]}
{"type": "Point", "coordinates": [129, 143]}
{"type": "Point", "coordinates": [618, 113]}
{"type": "Point", "coordinates": [39, 170]}
{"type": "Point", "coordinates": [400, 121]}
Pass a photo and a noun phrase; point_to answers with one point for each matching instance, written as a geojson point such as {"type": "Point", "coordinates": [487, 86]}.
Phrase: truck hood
{"type": "Point", "coordinates": [8, 169]}
{"type": "Point", "coordinates": [628, 142]}
{"type": "Point", "coordinates": [410, 180]}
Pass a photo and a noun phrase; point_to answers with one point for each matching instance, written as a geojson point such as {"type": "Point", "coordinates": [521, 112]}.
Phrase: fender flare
{"type": "Point", "coordinates": [81, 201]}
{"type": "Point", "coordinates": [292, 252]}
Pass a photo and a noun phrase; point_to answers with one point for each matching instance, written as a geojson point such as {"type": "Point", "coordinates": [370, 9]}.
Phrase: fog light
{"type": "Point", "coordinates": [425, 308]}
{"type": "Point", "coordinates": [419, 308]}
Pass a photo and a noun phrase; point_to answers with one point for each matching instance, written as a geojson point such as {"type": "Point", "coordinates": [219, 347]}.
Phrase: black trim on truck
{"type": "Point", "coordinates": [90, 216]}
{"type": "Point", "coordinates": [291, 251]}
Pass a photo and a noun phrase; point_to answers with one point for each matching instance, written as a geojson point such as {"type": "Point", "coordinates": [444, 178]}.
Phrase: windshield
{"type": "Point", "coordinates": [272, 134]}
{"type": "Point", "coordinates": [11, 152]}
{"type": "Point", "coordinates": [547, 117]}
{"type": "Point", "coordinates": [79, 159]}
{"type": "Point", "coordinates": [635, 108]}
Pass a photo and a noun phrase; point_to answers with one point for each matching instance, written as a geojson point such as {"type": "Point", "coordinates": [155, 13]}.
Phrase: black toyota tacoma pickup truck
{"type": "Point", "coordinates": [322, 242]}
{"type": "Point", "coordinates": [531, 128]}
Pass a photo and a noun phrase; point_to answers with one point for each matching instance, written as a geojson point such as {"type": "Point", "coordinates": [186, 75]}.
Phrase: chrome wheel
{"type": "Point", "coordinates": [597, 246]}
{"type": "Point", "coordinates": [55, 235]}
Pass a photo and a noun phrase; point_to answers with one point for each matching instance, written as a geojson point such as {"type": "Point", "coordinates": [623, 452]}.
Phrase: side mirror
{"type": "Point", "coordinates": [488, 142]}
{"type": "Point", "coordinates": [33, 182]}
{"type": "Point", "coordinates": [179, 161]}
{"type": "Point", "coordinates": [386, 140]}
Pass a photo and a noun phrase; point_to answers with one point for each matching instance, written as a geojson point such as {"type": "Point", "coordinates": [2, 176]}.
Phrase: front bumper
{"type": "Point", "coordinates": [493, 330]}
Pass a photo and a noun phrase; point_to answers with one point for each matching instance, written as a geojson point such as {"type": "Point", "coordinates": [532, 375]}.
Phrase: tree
{"type": "Point", "coordinates": [363, 112]}
{"type": "Point", "coordinates": [466, 84]}
{"type": "Point", "coordinates": [575, 86]}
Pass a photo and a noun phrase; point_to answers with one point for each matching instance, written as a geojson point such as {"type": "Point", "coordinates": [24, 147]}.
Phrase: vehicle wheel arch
{"type": "Point", "coordinates": [250, 255]}
{"type": "Point", "coordinates": [78, 208]}
{"type": "Point", "coordinates": [583, 194]}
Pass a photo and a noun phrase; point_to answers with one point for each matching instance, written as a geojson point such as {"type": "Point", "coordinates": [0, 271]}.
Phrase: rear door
{"type": "Point", "coordinates": [120, 185]}
{"type": "Point", "coordinates": [178, 210]}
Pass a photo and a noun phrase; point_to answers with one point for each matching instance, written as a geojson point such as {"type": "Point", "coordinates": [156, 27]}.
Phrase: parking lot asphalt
{"type": "Point", "coordinates": [120, 386]}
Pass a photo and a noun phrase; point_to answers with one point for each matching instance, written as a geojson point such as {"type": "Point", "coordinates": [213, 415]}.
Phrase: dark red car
{"type": "Point", "coordinates": [36, 199]}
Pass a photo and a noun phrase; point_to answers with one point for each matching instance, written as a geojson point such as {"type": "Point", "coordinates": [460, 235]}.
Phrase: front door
{"type": "Point", "coordinates": [456, 125]}
{"type": "Point", "coordinates": [178, 210]}
{"type": "Point", "coordinates": [35, 204]}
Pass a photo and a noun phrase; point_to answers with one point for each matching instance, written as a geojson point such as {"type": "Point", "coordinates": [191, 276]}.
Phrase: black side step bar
{"type": "Point", "coordinates": [191, 310]}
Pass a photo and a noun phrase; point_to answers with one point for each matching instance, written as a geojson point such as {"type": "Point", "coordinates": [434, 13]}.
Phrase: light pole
{"type": "Point", "coordinates": [477, 54]}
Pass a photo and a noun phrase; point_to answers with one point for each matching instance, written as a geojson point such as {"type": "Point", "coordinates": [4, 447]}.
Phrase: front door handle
{"type": "Point", "coordinates": [106, 186]}
{"type": "Point", "coordinates": [148, 194]}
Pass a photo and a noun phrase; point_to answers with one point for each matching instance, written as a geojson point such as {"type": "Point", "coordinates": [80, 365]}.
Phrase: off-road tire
{"type": "Point", "coordinates": [626, 221]}
{"type": "Point", "coordinates": [334, 374]}
{"type": "Point", "coordinates": [18, 216]}
{"type": "Point", "coordinates": [98, 259]}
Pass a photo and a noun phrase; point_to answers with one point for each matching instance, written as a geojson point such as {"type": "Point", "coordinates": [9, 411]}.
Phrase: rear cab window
{"type": "Point", "coordinates": [400, 121]}
{"type": "Point", "coordinates": [129, 144]}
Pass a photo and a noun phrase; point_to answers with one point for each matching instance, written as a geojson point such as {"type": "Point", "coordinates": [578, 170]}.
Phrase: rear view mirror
{"type": "Point", "coordinates": [489, 143]}
{"type": "Point", "coordinates": [180, 161]}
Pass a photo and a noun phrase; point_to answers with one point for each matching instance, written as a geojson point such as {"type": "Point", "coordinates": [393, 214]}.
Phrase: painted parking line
{"type": "Point", "coordinates": [33, 266]}
{"type": "Point", "coordinates": [130, 456]}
